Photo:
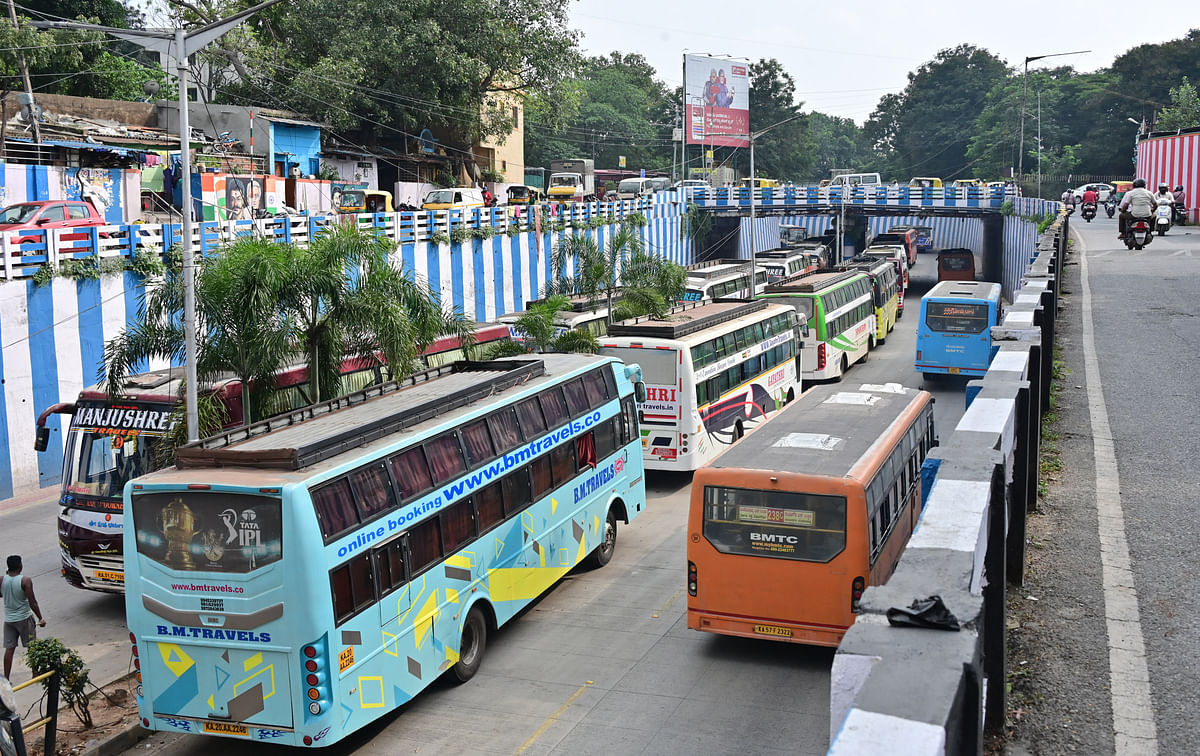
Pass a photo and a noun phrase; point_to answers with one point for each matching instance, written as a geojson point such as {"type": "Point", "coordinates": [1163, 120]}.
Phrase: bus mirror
{"type": "Point", "coordinates": [639, 392]}
{"type": "Point", "coordinates": [641, 418]}
{"type": "Point", "coordinates": [42, 440]}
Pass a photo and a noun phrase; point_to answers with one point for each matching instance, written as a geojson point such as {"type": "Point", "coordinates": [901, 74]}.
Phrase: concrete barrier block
{"type": "Point", "coordinates": [1011, 359]}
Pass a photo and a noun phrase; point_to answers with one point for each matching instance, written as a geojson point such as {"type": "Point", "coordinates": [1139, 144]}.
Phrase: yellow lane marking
{"type": "Point", "coordinates": [670, 601]}
{"type": "Point", "coordinates": [552, 718]}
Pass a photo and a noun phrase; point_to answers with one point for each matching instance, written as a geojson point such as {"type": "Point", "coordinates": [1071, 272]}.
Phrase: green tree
{"type": "Point", "coordinates": [241, 328]}
{"type": "Point", "coordinates": [784, 152]}
{"type": "Point", "coordinates": [927, 128]}
{"type": "Point", "coordinates": [452, 65]}
{"type": "Point", "coordinates": [343, 294]}
{"type": "Point", "coordinates": [617, 107]}
{"type": "Point", "coordinates": [1184, 112]}
{"type": "Point", "coordinates": [836, 143]}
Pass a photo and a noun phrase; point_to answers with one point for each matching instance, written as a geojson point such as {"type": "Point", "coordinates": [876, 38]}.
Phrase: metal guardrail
{"type": "Point", "coordinates": [976, 198]}
{"type": "Point", "coordinates": [938, 692]}
{"type": "Point", "coordinates": [50, 721]}
{"type": "Point", "coordinates": [24, 252]}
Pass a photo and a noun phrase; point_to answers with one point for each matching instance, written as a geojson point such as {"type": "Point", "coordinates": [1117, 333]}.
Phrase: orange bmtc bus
{"type": "Point", "coordinates": [789, 526]}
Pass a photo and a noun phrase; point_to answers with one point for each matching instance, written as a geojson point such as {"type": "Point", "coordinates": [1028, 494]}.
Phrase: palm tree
{"type": "Point", "coordinates": [345, 295]}
{"type": "Point", "coordinates": [241, 327]}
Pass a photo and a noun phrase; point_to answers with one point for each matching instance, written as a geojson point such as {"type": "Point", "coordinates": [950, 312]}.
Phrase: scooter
{"type": "Point", "coordinates": [1110, 207]}
{"type": "Point", "coordinates": [1089, 211]}
{"type": "Point", "coordinates": [1162, 218]}
{"type": "Point", "coordinates": [1138, 233]}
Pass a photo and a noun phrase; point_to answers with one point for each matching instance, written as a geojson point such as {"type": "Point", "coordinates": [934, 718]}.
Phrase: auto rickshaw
{"type": "Point", "coordinates": [1119, 189]}
{"type": "Point", "coordinates": [925, 182]}
{"type": "Point", "coordinates": [523, 195]}
{"type": "Point", "coordinates": [365, 201]}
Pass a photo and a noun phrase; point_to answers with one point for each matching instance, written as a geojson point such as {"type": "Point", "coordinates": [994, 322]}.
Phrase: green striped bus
{"type": "Point", "coordinates": [840, 315]}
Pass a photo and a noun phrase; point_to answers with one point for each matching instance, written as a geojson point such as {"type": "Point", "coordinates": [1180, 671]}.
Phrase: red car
{"type": "Point", "coordinates": [49, 214]}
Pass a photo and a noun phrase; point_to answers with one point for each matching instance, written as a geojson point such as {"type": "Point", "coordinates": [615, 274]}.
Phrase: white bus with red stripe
{"type": "Point", "coordinates": [713, 372]}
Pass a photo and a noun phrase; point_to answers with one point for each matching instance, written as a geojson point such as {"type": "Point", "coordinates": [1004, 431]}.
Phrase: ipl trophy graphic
{"type": "Point", "coordinates": [178, 524]}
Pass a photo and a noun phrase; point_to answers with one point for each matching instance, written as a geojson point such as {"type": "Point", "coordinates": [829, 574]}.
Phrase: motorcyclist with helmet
{"type": "Point", "coordinates": [1138, 202]}
{"type": "Point", "coordinates": [1164, 196]}
{"type": "Point", "coordinates": [1180, 205]}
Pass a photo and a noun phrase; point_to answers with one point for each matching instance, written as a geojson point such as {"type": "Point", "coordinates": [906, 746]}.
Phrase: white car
{"type": "Point", "coordinates": [1102, 190]}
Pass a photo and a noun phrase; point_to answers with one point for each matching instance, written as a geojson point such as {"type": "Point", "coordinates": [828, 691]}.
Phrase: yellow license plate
{"type": "Point", "coordinates": [116, 577]}
{"type": "Point", "coordinates": [781, 632]}
{"type": "Point", "coordinates": [645, 442]}
{"type": "Point", "coordinates": [225, 728]}
{"type": "Point", "coordinates": [953, 371]}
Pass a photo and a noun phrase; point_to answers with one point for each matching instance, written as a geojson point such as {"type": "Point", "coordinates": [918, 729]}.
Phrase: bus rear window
{"type": "Point", "coordinates": [775, 524]}
{"type": "Point", "coordinates": [956, 263]}
{"type": "Point", "coordinates": [208, 531]}
{"type": "Point", "coordinates": [955, 317]}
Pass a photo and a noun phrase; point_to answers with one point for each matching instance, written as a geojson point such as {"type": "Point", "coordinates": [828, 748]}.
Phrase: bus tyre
{"type": "Point", "coordinates": [603, 554]}
{"type": "Point", "coordinates": [791, 395]}
{"type": "Point", "coordinates": [471, 645]}
{"type": "Point", "coordinates": [739, 430]}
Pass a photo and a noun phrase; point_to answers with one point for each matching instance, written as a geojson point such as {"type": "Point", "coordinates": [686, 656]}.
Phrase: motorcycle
{"type": "Point", "coordinates": [1138, 233]}
{"type": "Point", "coordinates": [1180, 213]}
{"type": "Point", "coordinates": [1162, 218]}
{"type": "Point", "coordinates": [1089, 211]}
{"type": "Point", "coordinates": [1110, 207]}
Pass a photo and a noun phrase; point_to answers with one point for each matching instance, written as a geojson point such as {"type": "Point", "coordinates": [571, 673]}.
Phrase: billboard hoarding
{"type": "Point", "coordinates": [717, 95]}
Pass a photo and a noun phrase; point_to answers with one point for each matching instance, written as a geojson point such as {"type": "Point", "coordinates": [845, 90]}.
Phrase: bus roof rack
{"type": "Point", "coordinates": [707, 269]}
{"type": "Point", "coordinates": [807, 283]}
{"type": "Point", "coordinates": [579, 302]}
{"type": "Point", "coordinates": [326, 435]}
{"type": "Point", "coordinates": [681, 321]}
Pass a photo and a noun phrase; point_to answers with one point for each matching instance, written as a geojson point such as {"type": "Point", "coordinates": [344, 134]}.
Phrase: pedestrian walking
{"type": "Point", "coordinates": [20, 608]}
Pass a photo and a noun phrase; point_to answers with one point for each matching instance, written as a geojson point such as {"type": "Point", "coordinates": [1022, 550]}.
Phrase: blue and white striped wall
{"type": "Point", "coordinates": [766, 235]}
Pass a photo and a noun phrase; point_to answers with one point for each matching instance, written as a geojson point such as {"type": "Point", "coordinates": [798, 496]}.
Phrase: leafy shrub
{"type": "Point", "coordinates": [46, 654]}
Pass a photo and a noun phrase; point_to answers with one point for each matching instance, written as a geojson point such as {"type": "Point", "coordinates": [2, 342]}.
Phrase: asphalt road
{"type": "Point", "coordinates": [1148, 339]}
{"type": "Point", "coordinates": [604, 663]}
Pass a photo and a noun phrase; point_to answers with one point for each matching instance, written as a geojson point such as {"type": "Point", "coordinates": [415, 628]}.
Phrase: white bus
{"type": "Point", "coordinates": [712, 371]}
{"type": "Point", "coordinates": [840, 314]}
{"type": "Point", "coordinates": [583, 316]}
{"type": "Point", "coordinates": [785, 263]}
{"type": "Point", "coordinates": [715, 279]}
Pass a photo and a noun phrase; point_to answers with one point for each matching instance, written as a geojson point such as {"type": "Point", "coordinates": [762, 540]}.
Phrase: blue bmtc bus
{"type": "Point", "coordinates": [293, 580]}
{"type": "Point", "coordinates": [955, 332]}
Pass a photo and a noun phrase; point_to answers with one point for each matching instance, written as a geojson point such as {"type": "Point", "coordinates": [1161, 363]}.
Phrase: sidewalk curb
{"type": "Point", "coordinates": [119, 742]}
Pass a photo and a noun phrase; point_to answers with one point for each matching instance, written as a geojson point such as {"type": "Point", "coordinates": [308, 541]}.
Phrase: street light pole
{"type": "Point", "coordinates": [1024, 94]}
{"type": "Point", "coordinates": [753, 191]}
{"type": "Point", "coordinates": [181, 45]}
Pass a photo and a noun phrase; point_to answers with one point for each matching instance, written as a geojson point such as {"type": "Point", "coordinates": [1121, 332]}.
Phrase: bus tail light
{"type": "Point", "coordinates": [314, 658]}
{"type": "Point", "coordinates": [856, 591]}
{"type": "Point", "coordinates": [691, 578]}
{"type": "Point", "coordinates": [821, 356]}
{"type": "Point", "coordinates": [918, 355]}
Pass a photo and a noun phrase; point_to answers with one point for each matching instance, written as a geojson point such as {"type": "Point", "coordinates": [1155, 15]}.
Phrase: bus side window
{"type": "Point", "coordinates": [562, 463]}
{"type": "Point", "coordinates": [606, 439]}
{"type": "Point", "coordinates": [517, 491]}
{"type": "Point", "coordinates": [445, 458]}
{"type": "Point", "coordinates": [629, 429]}
{"type": "Point", "coordinates": [353, 587]}
{"type": "Point", "coordinates": [411, 472]}
{"type": "Point", "coordinates": [458, 526]}
{"type": "Point", "coordinates": [585, 452]}
{"type": "Point", "coordinates": [424, 545]}
{"type": "Point", "coordinates": [372, 490]}
{"type": "Point", "coordinates": [542, 481]}
{"type": "Point", "coordinates": [505, 430]}
{"type": "Point", "coordinates": [335, 508]}
{"type": "Point", "coordinates": [553, 406]}
{"type": "Point", "coordinates": [489, 504]}
{"type": "Point", "coordinates": [577, 400]}
{"type": "Point", "coordinates": [477, 442]}
{"type": "Point", "coordinates": [532, 422]}
{"type": "Point", "coordinates": [389, 563]}
{"type": "Point", "coordinates": [597, 390]}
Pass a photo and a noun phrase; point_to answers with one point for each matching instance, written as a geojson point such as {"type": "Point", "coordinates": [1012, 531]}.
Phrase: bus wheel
{"type": "Point", "coordinates": [471, 645]}
{"type": "Point", "coordinates": [845, 365]}
{"type": "Point", "coordinates": [872, 342]}
{"type": "Point", "coordinates": [791, 396]}
{"type": "Point", "coordinates": [739, 430]}
{"type": "Point", "coordinates": [603, 554]}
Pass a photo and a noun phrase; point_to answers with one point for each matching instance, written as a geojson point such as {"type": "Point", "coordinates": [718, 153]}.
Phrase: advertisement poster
{"type": "Point", "coordinates": [718, 101]}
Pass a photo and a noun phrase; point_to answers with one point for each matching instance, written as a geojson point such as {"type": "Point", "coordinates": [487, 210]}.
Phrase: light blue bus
{"type": "Point", "coordinates": [954, 335]}
{"type": "Point", "coordinates": [293, 580]}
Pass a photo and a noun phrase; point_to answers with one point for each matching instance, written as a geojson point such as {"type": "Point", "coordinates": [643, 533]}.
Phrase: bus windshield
{"type": "Point", "coordinates": [776, 524]}
{"type": "Point", "coordinates": [99, 464]}
{"type": "Point", "coordinates": [208, 531]}
{"type": "Point", "coordinates": [956, 317]}
{"type": "Point", "coordinates": [658, 365]}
